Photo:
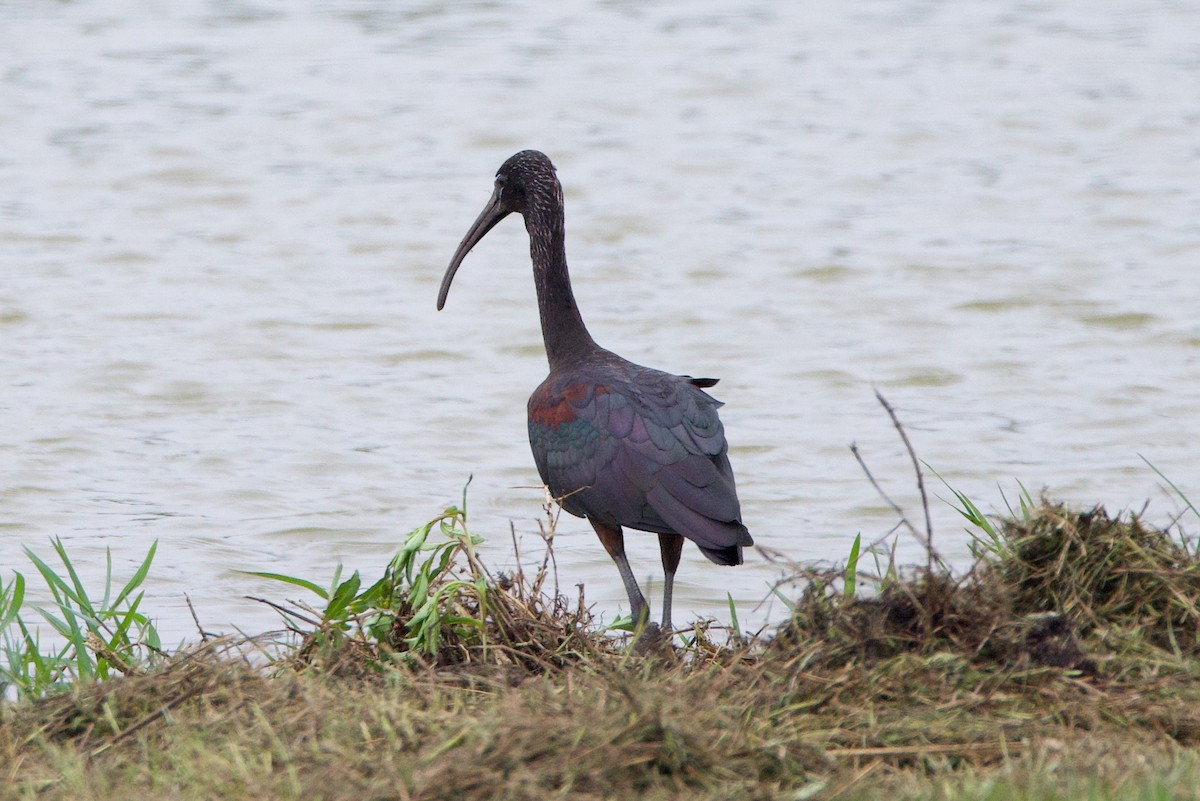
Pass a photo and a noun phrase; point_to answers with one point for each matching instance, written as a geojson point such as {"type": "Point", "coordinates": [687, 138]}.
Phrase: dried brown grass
{"type": "Point", "coordinates": [1073, 646]}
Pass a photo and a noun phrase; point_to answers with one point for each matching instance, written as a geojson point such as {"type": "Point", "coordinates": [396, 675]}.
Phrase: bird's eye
{"type": "Point", "coordinates": [501, 180]}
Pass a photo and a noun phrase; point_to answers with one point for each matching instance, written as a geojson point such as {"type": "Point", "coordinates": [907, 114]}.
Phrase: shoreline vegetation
{"type": "Point", "coordinates": [1063, 664]}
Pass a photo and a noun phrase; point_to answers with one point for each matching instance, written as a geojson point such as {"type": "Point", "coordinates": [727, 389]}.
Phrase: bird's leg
{"type": "Point", "coordinates": [614, 542]}
{"type": "Point", "coordinates": [671, 546]}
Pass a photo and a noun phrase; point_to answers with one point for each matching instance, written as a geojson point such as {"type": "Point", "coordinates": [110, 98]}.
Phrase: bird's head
{"type": "Point", "coordinates": [526, 184]}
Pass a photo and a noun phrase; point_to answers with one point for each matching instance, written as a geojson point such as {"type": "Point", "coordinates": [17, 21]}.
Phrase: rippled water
{"type": "Point", "coordinates": [223, 225]}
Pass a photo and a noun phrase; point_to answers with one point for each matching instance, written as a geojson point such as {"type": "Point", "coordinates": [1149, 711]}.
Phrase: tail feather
{"type": "Point", "coordinates": [730, 554]}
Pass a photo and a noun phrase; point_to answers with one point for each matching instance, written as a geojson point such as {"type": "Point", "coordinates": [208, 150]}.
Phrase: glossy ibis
{"type": "Point", "coordinates": [615, 442]}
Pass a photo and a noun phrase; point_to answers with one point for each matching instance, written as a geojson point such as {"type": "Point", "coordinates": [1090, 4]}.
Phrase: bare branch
{"type": "Point", "coordinates": [930, 550]}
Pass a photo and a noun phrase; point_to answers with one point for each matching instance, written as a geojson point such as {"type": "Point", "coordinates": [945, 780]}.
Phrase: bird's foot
{"type": "Point", "coordinates": [653, 639]}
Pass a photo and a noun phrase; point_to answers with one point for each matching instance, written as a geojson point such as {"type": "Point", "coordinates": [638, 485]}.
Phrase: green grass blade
{"type": "Point", "coordinates": [125, 621]}
{"type": "Point", "coordinates": [298, 582]}
{"type": "Point", "coordinates": [1027, 504]}
{"type": "Point", "coordinates": [850, 581]}
{"type": "Point", "coordinates": [379, 595]}
{"type": "Point", "coordinates": [1171, 484]}
{"type": "Point", "coordinates": [11, 600]}
{"type": "Point", "coordinates": [463, 508]}
{"type": "Point", "coordinates": [57, 586]}
{"type": "Point", "coordinates": [36, 670]}
{"type": "Point", "coordinates": [733, 618]}
{"type": "Point", "coordinates": [81, 596]}
{"type": "Point", "coordinates": [107, 578]}
{"type": "Point", "coordinates": [138, 577]}
{"type": "Point", "coordinates": [621, 623]}
{"type": "Point", "coordinates": [342, 596]}
{"type": "Point", "coordinates": [787, 602]}
{"type": "Point", "coordinates": [336, 581]}
{"type": "Point", "coordinates": [404, 562]}
{"type": "Point", "coordinates": [69, 629]}
{"type": "Point", "coordinates": [150, 636]}
{"type": "Point", "coordinates": [65, 626]}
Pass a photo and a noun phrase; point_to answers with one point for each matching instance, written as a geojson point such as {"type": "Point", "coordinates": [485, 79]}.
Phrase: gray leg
{"type": "Point", "coordinates": [671, 546]}
{"type": "Point", "coordinates": [614, 542]}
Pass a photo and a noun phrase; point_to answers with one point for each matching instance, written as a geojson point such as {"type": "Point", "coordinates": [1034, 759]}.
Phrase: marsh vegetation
{"type": "Point", "coordinates": [1063, 663]}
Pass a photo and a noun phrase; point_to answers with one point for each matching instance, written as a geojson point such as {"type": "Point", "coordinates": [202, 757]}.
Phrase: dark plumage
{"type": "Point", "coordinates": [620, 444]}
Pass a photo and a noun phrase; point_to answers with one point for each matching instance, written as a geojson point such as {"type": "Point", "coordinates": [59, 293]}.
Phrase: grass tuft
{"type": "Point", "coordinates": [438, 606]}
{"type": "Point", "coordinates": [96, 639]}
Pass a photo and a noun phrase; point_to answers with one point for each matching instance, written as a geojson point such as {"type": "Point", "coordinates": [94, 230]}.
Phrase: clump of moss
{"type": "Point", "coordinates": [1055, 583]}
{"type": "Point", "coordinates": [1103, 573]}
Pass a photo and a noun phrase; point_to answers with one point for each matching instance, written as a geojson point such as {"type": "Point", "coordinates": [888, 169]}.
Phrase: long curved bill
{"type": "Point", "coordinates": [492, 213]}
